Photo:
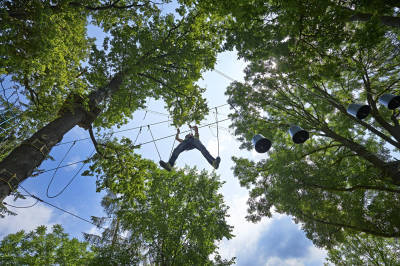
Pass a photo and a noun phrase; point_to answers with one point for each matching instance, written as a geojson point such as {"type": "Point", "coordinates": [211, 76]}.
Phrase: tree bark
{"type": "Point", "coordinates": [23, 160]}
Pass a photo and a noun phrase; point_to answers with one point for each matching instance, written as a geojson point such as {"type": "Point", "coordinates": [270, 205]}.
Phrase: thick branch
{"type": "Point", "coordinates": [95, 144]}
{"type": "Point", "coordinates": [351, 189]}
{"type": "Point", "coordinates": [334, 102]}
{"type": "Point", "coordinates": [348, 226]}
{"type": "Point", "coordinates": [374, 110]}
{"type": "Point", "coordinates": [360, 150]}
{"type": "Point", "coordinates": [112, 5]}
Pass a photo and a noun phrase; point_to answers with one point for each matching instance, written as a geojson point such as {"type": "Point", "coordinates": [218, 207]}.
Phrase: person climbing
{"type": "Point", "coordinates": [189, 143]}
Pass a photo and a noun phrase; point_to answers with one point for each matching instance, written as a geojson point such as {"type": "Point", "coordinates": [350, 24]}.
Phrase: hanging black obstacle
{"type": "Point", "coordinates": [261, 144]}
{"type": "Point", "coordinates": [359, 111]}
{"type": "Point", "coordinates": [390, 101]}
{"type": "Point", "coordinates": [298, 134]}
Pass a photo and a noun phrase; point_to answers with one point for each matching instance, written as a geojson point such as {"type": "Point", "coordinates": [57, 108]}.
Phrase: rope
{"type": "Point", "coordinates": [224, 75]}
{"type": "Point", "coordinates": [212, 133]}
{"type": "Point", "coordinates": [221, 128]}
{"type": "Point", "coordinates": [54, 206]}
{"type": "Point", "coordinates": [143, 143]}
{"type": "Point", "coordinates": [181, 132]}
{"type": "Point", "coordinates": [140, 130]}
{"type": "Point", "coordinates": [155, 145]}
{"type": "Point", "coordinates": [58, 166]}
{"type": "Point", "coordinates": [71, 180]}
{"type": "Point", "coordinates": [61, 209]}
{"type": "Point", "coordinates": [119, 131]}
{"type": "Point", "coordinates": [133, 128]}
{"type": "Point", "coordinates": [10, 127]}
{"type": "Point", "coordinates": [9, 119]}
{"type": "Point", "coordinates": [62, 166]}
{"type": "Point", "coordinates": [173, 144]}
{"type": "Point", "coordinates": [21, 207]}
{"type": "Point", "coordinates": [216, 119]}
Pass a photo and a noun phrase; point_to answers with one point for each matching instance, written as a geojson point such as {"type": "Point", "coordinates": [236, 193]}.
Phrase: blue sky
{"type": "Point", "coordinates": [276, 241]}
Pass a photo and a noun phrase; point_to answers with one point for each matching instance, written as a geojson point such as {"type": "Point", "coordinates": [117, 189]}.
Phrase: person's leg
{"type": "Point", "coordinates": [197, 143]}
{"type": "Point", "coordinates": [180, 148]}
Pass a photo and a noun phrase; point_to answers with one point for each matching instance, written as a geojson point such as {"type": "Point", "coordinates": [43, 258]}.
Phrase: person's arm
{"type": "Point", "coordinates": [196, 131]}
{"type": "Point", "coordinates": [177, 136]}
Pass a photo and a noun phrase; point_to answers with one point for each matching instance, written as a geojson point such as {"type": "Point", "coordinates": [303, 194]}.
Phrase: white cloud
{"type": "Point", "coordinates": [257, 156]}
{"type": "Point", "coordinates": [78, 132]}
{"type": "Point", "coordinates": [27, 219]}
{"type": "Point", "coordinates": [246, 233]}
{"type": "Point", "coordinates": [94, 231]}
{"type": "Point", "coordinates": [275, 261]}
{"type": "Point", "coordinates": [314, 256]}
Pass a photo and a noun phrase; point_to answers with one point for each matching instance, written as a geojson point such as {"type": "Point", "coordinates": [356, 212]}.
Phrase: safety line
{"type": "Point", "coordinates": [9, 119]}
{"type": "Point", "coordinates": [224, 75]}
{"type": "Point", "coordinates": [70, 181]}
{"type": "Point", "coordinates": [58, 166]}
{"type": "Point", "coordinates": [21, 207]}
{"type": "Point", "coordinates": [62, 166]}
{"type": "Point", "coordinates": [216, 120]}
{"type": "Point", "coordinates": [155, 145]}
{"type": "Point", "coordinates": [54, 206]}
{"type": "Point", "coordinates": [119, 131]}
{"type": "Point", "coordinates": [181, 132]}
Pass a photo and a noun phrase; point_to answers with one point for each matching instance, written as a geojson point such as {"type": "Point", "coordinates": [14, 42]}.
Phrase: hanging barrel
{"type": "Point", "coordinates": [390, 101]}
{"type": "Point", "coordinates": [359, 111]}
{"type": "Point", "coordinates": [261, 144]}
{"type": "Point", "coordinates": [298, 134]}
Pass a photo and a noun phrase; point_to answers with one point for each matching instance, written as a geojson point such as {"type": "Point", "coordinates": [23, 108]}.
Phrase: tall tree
{"type": "Point", "coordinates": [111, 246]}
{"type": "Point", "coordinates": [40, 248]}
{"type": "Point", "coordinates": [147, 55]}
{"type": "Point", "coordinates": [175, 219]}
{"type": "Point", "coordinates": [42, 48]}
{"type": "Point", "coordinates": [307, 62]}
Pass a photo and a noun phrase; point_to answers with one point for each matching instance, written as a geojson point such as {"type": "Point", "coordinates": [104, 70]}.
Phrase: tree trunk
{"type": "Point", "coordinates": [23, 160]}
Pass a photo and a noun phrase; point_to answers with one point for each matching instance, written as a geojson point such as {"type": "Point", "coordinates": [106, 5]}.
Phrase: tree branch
{"type": "Point", "coordinates": [335, 103]}
{"type": "Point", "coordinates": [320, 149]}
{"type": "Point", "coordinates": [342, 225]}
{"type": "Point", "coordinates": [112, 5]}
{"type": "Point", "coordinates": [351, 189]}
